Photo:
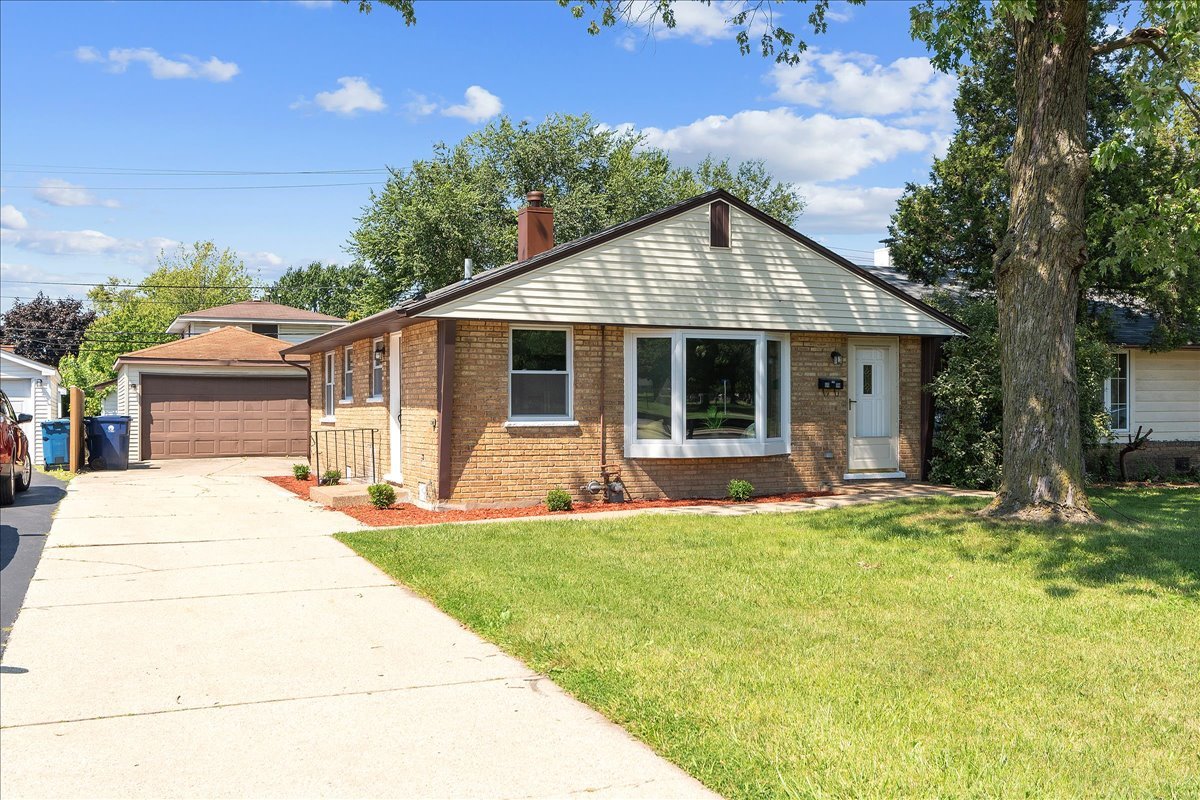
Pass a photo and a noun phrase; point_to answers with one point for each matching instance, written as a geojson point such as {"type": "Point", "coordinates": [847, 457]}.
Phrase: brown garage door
{"type": "Point", "coordinates": [199, 417]}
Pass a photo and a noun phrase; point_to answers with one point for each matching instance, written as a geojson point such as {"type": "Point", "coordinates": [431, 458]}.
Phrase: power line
{"type": "Point", "coordinates": [138, 285]}
{"type": "Point", "coordinates": [95, 170]}
{"type": "Point", "coordinates": [203, 188]}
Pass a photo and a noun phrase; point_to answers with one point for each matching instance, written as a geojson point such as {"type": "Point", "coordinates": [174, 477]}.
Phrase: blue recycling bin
{"type": "Point", "coordinates": [108, 442]}
{"type": "Point", "coordinates": [56, 442]}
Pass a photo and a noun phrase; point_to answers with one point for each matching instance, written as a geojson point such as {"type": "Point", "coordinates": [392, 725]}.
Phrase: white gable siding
{"type": "Point", "coordinates": [667, 275]}
{"type": "Point", "coordinates": [19, 382]}
{"type": "Point", "coordinates": [1166, 394]}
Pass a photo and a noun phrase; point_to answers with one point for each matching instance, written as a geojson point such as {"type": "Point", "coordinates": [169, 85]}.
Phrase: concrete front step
{"type": "Point", "coordinates": [348, 494]}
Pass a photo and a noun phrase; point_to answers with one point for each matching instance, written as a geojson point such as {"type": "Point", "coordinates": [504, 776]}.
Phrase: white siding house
{"type": "Point", "coordinates": [32, 387]}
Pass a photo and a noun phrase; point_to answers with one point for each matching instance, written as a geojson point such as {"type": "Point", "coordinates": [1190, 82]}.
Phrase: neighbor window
{"type": "Point", "coordinates": [1116, 394]}
{"type": "Point", "coordinates": [377, 354]}
{"type": "Point", "coordinates": [329, 384]}
{"type": "Point", "coordinates": [348, 375]}
{"type": "Point", "coordinates": [540, 374]}
{"type": "Point", "coordinates": [265, 329]}
{"type": "Point", "coordinates": [697, 394]}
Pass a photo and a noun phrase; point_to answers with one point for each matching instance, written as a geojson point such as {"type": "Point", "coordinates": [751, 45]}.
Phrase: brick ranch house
{"type": "Point", "coordinates": [671, 353]}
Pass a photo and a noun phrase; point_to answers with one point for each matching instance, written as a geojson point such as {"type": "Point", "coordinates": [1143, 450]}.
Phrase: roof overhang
{"type": "Point", "coordinates": [181, 322]}
{"type": "Point", "coordinates": [380, 324]}
{"type": "Point", "coordinates": [45, 369]}
{"type": "Point", "coordinates": [207, 362]}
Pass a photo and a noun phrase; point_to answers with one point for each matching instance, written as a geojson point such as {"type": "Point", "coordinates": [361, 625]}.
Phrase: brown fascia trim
{"type": "Point", "coordinates": [387, 321]}
{"type": "Point", "coordinates": [203, 362]}
{"type": "Point", "coordinates": [586, 243]}
{"type": "Point", "coordinates": [447, 332]}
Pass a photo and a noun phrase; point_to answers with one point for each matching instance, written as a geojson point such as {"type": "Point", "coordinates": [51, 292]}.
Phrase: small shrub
{"type": "Point", "coordinates": [740, 490]}
{"type": "Point", "coordinates": [301, 471]}
{"type": "Point", "coordinates": [558, 500]}
{"type": "Point", "coordinates": [331, 477]}
{"type": "Point", "coordinates": [382, 494]}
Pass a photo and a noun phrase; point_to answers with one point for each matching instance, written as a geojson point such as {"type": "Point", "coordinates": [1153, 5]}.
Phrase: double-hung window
{"type": "Point", "coordinates": [348, 375]}
{"type": "Point", "coordinates": [1116, 394]}
{"type": "Point", "coordinates": [329, 409]}
{"type": "Point", "coordinates": [539, 374]}
{"type": "Point", "coordinates": [377, 354]}
{"type": "Point", "coordinates": [700, 394]}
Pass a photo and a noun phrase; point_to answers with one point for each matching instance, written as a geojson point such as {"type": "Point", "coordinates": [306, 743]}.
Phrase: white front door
{"type": "Point", "coordinates": [873, 420]}
{"type": "Point", "coordinates": [395, 472]}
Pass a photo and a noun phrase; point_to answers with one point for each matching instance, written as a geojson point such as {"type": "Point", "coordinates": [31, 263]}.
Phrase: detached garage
{"type": "Point", "coordinates": [227, 392]}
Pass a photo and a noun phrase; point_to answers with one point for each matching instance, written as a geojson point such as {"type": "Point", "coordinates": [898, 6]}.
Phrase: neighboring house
{"type": "Point", "coordinates": [285, 323]}
{"type": "Point", "coordinates": [33, 389]}
{"type": "Point", "coordinates": [108, 403]}
{"type": "Point", "coordinates": [704, 342]}
{"type": "Point", "coordinates": [226, 392]}
{"type": "Point", "coordinates": [1154, 390]}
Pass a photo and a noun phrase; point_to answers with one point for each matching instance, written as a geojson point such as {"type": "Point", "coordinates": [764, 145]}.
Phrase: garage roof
{"type": "Point", "coordinates": [225, 346]}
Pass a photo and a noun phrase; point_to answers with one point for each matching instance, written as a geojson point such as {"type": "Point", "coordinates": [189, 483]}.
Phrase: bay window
{"type": "Point", "coordinates": [539, 369]}
{"type": "Point", "coordinates": [704, 394]}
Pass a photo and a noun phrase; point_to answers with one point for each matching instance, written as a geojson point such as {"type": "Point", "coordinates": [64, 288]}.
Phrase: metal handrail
{"type": "Point", "coordinates": [354, 452]}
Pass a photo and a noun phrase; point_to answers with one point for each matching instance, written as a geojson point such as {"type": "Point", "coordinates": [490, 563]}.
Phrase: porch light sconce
{"type": "Point", "coordinates": [379, 349]}
{"type": "Point", "coordinates": [37, 382]}
{"type": "Point", "coordinates": [836, 358]}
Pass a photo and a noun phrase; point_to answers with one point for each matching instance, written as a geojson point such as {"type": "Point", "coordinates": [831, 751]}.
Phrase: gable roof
{"type": "Point", "coordinates": [429, 305]}
{"type": "Point", "coordinates": [227, 346]}
{"type": "Point", "coordinates": [252, 311]}
{"type": "Point", "coordinates": [45, 369]}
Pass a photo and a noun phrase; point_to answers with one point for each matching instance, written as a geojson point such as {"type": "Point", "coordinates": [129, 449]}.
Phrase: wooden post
{"type": "Point", "coordinates": [76, 456]}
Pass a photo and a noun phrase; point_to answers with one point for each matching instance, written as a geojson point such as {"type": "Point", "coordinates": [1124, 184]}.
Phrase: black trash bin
{"type": "Point", "coordinates": [108, 442]}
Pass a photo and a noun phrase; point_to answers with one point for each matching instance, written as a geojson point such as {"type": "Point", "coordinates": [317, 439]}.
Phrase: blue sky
{"type": "Point", "coordinates": [290, 87]}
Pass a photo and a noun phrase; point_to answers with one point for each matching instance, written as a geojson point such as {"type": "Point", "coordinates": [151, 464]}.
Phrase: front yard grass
{"type": "Point", "coordinates": [898, 649]}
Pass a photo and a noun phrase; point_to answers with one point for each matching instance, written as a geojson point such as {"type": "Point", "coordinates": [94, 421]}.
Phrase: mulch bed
{"type": "Point", "coordinates": [404, 514]}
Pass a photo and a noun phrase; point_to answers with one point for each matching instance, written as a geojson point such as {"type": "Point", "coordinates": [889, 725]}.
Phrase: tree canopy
{"type": "Point", "coordinates": [325, 288]}
{"type": "Point", "coordinates": [46, 329]}
{"type": "Point", "coordinates": [462, 202]}
{"type": "Point", "coordinates": [1143, 206]}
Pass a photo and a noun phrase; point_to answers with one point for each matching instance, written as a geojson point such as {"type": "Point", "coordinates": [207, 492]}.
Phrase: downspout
{"type": "Point", "coordinates": [603, 387]}
{"type": "Point", "coordinates": [314, 456]}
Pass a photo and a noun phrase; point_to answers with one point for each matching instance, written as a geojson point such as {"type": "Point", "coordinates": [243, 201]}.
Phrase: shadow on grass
{"type": "Point", "coordinates": [1149, 536]}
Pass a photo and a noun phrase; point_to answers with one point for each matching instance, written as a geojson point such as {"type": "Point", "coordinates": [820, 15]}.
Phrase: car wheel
{"type": "Point", "coordinates": [8, 488]}
{"type": "Point", "coordinates": [24, 475]}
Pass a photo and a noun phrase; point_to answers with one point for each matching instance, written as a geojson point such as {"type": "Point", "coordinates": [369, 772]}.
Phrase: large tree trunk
{"type": "Point", "coordinates": [1038, 266]}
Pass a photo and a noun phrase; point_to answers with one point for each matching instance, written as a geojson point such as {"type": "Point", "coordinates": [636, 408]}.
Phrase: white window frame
{"type": "Point", "coordinates": [1108, 399]}
{"type": "Point", "coordinates": [680, 447]}
{"type": "Point", "coordinates": [347, 375]}
{"type": "Point", "coordinates": [543, 419]}
{"type": "Point", "coordinates": [377, 396]}
{"type": "Point", "coordinates": [330, 388]}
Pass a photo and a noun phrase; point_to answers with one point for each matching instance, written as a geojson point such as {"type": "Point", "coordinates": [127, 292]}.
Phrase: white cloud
{"type": "Point", "coordinates": [355, 95]}
{"type": "Point", "coordinates": [839, 12]}
{"type": "Point", "coordinates": [856, 83]}
{"type": "Point", "coordinates": [161, 67]}
{"type": "Point", "coordinates": [260, 258]}
{"type": "Point", "coordinates": [33, 280]}
{"type": "Point", "coordinates": [419, 105]}
{"type": "Point", "coordinates": [315, 3]}
{"type": "Point", "coordinates": [87, 243]}
{"type": "Point", "coordinates": [847, 209]}
{"type": "Point", "coordinates": [480, 105]}
{"type": "Point", "coordinates": [699, 23]}
{"type": "Point", "coordinates": [58, 192]}
{"type": "Point", "coordinates": [795, 147]}
{"type": "Point", "coordinates": [11, 218]}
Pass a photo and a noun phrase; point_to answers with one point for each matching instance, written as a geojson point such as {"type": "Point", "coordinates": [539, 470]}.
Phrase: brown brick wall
{"type": "Point", "coordinates": [418, 400]}
{"type": "Point", "coordinates": [350, 454]}
{"type": "Point", "coordinates": [495, 465]}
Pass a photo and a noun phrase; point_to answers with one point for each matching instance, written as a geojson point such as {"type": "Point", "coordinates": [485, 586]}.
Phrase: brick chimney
{"type": "Point", "coordinates": [535, 227]}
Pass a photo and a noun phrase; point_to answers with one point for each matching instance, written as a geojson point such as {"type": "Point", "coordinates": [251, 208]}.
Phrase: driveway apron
{"type": "Point", "coordinates": [194, 631]}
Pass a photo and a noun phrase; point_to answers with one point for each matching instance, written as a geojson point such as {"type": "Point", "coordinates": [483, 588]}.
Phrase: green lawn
{"type": "Point", "coordinates": [899, 649]}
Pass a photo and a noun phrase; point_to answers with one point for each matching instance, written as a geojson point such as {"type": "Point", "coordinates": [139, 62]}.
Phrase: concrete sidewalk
{"type": "Point", "coordinates": [193, 631]}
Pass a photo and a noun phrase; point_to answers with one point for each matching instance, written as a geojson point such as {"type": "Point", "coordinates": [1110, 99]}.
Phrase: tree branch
{"type": "Point", "coordinates": [1136, 37]}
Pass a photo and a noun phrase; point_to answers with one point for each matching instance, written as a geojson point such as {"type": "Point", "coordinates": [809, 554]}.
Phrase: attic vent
{"type": "Point", "coordinates": [718, 224]}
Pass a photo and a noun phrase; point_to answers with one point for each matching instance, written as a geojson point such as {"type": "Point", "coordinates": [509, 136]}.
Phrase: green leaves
{"type": "Point", "coordinates": [462, 202]}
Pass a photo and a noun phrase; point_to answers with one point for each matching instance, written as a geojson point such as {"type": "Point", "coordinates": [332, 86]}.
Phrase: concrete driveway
{"type": "Point", "coordinates": [193, 631]}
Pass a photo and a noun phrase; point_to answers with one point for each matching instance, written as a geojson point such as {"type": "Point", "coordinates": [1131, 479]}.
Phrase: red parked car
{"type": "Point", "coordinates": [16, 464]}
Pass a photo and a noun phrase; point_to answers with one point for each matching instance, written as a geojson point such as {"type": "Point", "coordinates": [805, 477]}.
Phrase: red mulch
{"type": "Point", "coordinates": [404, 514]}
{"type": "Point", "coordinates": [294, 486]}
